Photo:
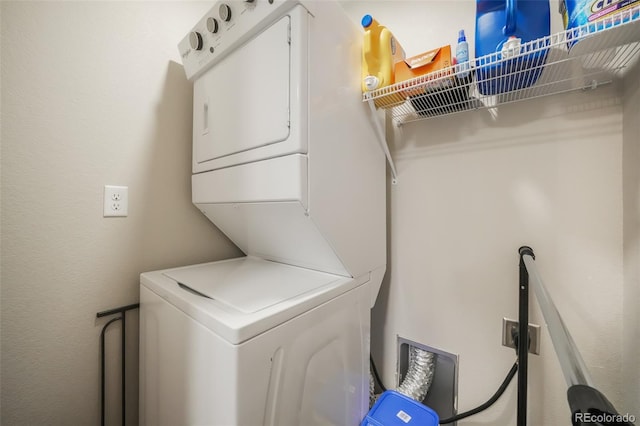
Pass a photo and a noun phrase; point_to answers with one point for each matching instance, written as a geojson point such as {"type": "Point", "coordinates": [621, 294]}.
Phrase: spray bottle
{"type": "Point", "coordinates": [462, 55]}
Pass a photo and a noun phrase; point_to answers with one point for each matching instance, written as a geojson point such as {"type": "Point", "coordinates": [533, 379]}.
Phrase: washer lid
{"type": "Point", "coordinates": [250, 285]}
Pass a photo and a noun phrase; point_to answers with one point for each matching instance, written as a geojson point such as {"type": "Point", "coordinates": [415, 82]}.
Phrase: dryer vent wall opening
{"type": "Point", "coordinates": [429, 375]}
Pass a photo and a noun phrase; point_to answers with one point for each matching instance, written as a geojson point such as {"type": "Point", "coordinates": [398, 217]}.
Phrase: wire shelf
{"type": "Point", "coordinates": [580, 58]}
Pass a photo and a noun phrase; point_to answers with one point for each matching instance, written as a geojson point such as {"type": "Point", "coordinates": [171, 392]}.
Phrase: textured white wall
{"type": "Point", "coordinates": [550, 178]}
{"type": "Point", "coordinates": [631, 185]}
{"type": "Point", "coordinates": [92, 94]}
{"type": "Point", "coordinates": [471, 191]}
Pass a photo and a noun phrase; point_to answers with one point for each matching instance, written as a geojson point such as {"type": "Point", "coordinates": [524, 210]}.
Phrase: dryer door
{"type": "Point", "coordinates": [243, 105]}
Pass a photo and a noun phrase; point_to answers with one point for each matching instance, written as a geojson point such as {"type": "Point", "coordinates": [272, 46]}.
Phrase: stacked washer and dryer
{"type": "Point", "coordinates": [285, 163]}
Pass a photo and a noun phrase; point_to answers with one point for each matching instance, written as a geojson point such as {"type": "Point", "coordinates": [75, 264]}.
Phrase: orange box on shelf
{"type": "Point", "coordinates": [436, 61]}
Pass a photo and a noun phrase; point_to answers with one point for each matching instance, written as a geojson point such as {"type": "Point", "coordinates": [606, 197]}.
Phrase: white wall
{"type": "Point", "coordinates": [92, 94]}
{"type": "Point", "coordinates": [631, 187]}
{"type": "Point", "coordinates": [1, 67]}
{"type": "Point", "coordinates": [458, 215]}
{"type": "Point", "coordinates": [471, 191]}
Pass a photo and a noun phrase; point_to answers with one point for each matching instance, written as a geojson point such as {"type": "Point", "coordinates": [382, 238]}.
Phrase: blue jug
{"type": "Point", "coordinates": [502, 27]}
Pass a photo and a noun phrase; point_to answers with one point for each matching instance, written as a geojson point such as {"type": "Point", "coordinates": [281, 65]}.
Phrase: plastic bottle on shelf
{"type": "Point", "coordinates": [462, 56]}
{"type": "Point", "coordinates": [380, 52]}
{"type": "Point", "coordinates": [496, 22]}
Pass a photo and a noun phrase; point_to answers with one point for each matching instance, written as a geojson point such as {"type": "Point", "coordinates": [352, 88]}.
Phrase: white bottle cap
{"type": "Point", "coordinates": [371, 82]}
{"type": "Point", "coordinates": [511, 47]}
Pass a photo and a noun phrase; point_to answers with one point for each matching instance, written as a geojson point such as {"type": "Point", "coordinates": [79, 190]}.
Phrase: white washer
{"type": "Point", "coordinates": [269, 344]}
{"type": "Point", "coordinates": [285, 164]}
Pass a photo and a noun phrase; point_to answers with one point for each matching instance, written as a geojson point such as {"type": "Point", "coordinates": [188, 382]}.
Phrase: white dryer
{"type": "Point", "coordinates": [285, 164]}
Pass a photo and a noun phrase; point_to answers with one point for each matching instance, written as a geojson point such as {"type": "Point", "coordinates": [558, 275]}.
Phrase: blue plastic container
{"type": "Point", "coordinates": [510, 21]}
{"type": "Point", "coordinates": [395, 409]}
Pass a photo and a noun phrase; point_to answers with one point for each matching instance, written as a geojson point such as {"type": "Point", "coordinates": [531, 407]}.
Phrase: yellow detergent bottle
{"type": "Point", "coordinates": [380, 52]}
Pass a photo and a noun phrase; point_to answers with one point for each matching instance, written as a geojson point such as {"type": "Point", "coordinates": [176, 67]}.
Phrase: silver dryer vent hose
{"type": "Point", "coordinates": [372, 390]}
{"type": "Point", "coordinates": [419, 375]}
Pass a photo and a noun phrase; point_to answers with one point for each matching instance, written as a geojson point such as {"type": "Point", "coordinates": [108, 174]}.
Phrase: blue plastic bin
{"type": "Point", "coordinates": [395, 409]}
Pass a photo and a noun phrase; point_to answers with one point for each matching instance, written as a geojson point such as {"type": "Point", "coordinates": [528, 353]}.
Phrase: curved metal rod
{"type": "Point", "coordinates": [122, 310]}
{"type": "Point", "coordinates": [102, 363]}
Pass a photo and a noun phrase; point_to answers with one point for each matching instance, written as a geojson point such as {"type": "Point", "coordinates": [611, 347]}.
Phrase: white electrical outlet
{"type": "Point", "coordinates": [116, 200]}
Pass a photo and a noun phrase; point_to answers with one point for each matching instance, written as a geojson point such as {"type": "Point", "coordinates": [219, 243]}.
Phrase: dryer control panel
{"type": "Point", "coordinates": [226, 25]}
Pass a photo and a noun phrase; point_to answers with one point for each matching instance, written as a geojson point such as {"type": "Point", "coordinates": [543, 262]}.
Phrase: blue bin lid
{"type": "Point", "coordinates": [396, 409]}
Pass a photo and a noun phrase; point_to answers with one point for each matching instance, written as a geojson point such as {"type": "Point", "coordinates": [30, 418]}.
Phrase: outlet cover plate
{"type": "Point", "coordinates": [116, 201]}
{"type": "Point", "coordinates": [509, 325]}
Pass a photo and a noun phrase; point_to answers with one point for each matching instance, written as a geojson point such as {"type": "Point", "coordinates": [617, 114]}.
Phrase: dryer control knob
{"type": "Point", "coordinates": [195, 40]}
{"type": "Point", "coordinates": [212, 25]}
{"type": "Point", "coordinates": [225, 12]}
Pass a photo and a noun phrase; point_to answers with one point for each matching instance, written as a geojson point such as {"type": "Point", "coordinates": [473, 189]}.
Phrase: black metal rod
{"type": "Point", "coordinates": [102, 363]}
{"type": "Point", "coordinates": [523, 336]}
{"type": "Point", "coordinates": [123, 383]}
{"type": "Point", "coordinates": [122, 311]}
{"type": "Point", "coordinates": [117, 310]}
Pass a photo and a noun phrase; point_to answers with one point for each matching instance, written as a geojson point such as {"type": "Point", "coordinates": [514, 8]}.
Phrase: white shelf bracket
{"type": "Point", "coordinates": [382, 141]}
